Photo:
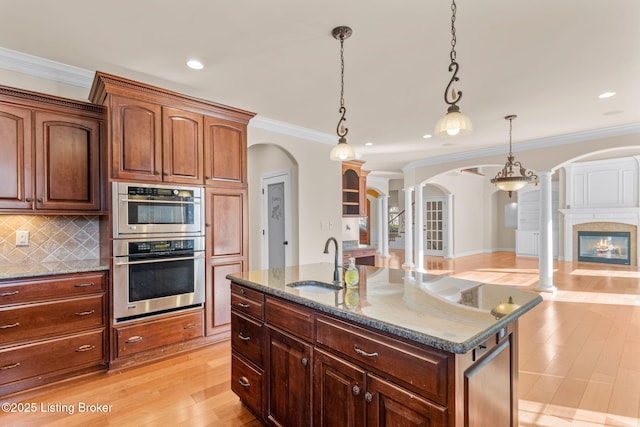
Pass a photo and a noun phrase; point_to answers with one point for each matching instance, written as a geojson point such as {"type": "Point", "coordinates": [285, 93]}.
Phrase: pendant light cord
{"type": "Point", "coordinates": [341, 130]}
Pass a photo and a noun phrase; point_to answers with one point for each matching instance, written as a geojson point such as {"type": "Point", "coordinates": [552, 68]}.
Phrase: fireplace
{"type": "Point", "coordinates": [608, 247]}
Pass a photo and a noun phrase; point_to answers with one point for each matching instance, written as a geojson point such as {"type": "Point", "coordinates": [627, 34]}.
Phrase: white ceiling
{"type": "Point", "coordinates": [544, 60]}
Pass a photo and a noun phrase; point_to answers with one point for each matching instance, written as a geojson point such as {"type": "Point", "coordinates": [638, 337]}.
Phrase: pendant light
{"type": "Point", "coordinates": [506, 179]}
{"type": "Point", "coordinates": [342, 151]}
{"type": "Point", "coordinates": [454, 122]}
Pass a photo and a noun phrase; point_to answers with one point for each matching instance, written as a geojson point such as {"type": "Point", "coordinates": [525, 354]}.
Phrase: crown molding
{"type": "Point", "coordinates": [264, 123]}
{"type": "Point", "coordinates": [552, 141]}
{"type": "Point", "coordinates": [45, 68]}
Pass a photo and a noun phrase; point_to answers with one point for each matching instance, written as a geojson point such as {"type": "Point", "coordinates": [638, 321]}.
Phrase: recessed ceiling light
{"type": "Point", "coordinates": [606, 95]}
{"type": "Point", "coordinates": [368, 144]}
{"type": "Point", "coordinates": [194, 64]}
{"type": "Point", "coordinates": [427, 136]}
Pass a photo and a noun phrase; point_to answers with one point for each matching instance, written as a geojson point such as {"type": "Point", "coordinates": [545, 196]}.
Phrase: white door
{"type": "Point", "coordinates": [276, 220]}
{"type": "Point", "coordinates": [435, 226]}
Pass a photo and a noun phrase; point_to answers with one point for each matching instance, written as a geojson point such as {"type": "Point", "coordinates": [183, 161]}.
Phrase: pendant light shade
{"type": "Point", "coordinates": [506, 179]}
{"type": "Point", "coordinates": [342, 151]}
{"type": "Point", "coordinates": [454, 123]}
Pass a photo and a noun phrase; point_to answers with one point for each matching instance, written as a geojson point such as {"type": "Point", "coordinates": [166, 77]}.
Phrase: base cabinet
{"type": "Point", "coordinates": [319, 370]}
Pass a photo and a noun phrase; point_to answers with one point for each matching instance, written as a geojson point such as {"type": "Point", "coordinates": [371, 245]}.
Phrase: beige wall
{"type": "Point", "coordinates": [319, 193]}
{"type": "Point", "coordinates": [264, 159]}
{"type": "Point", "coordinates": [42, 85]}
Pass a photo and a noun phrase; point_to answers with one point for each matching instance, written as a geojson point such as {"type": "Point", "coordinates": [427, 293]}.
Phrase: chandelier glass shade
{"type": "Point", "coordinates": [513, 175]}
{"type": "Point", "coordinates": [454, 123]}
{"type": "Point", "coordinates": [342, 151]}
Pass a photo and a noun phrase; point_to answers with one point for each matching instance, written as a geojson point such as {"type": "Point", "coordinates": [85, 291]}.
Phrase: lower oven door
{"type": "Point", "coordinates": [156, 283]}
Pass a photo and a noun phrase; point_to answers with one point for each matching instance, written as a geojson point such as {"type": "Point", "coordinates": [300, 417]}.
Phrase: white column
{"type": "Point", "coordinates": [385, 224]}
{"type": "Point", "coordinates": [380, 225]}
{"type": "Point", "coordinates": [419, 244]}
{"type": "Point", "coordinates": [545, 283]}
{"type": "Point", "coordinates": [448, 250]}
{"type": "Point", "coordinates": [408, 229]}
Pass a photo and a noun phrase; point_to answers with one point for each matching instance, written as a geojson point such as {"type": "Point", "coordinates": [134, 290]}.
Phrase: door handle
{"type": "Point", "coordinates": [286, 242]}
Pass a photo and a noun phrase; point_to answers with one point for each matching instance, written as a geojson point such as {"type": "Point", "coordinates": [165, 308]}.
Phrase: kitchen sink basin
{"type": "Point", "coordinates": [314, 286]}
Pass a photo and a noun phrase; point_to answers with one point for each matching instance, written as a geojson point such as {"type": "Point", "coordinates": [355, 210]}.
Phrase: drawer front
{"type": "Point", "coordinates": [247, 301]}
{"type": "Point", "coordinates": [247, 337]}
{"type": "Point", "coordinates": [140, 337]}
{"type": "Point", "coordinates": [290, 317]}
{"type": "Point", "coordinates": [15, 292]}
{"type": "Point", "coordinates": [24, 322]}
{"type": "Point", "coordinates": [43, 357]}
{"type": "Point", "coordinates": [248, 383]}
{"type": "Point", "coordinates": [417, 369]}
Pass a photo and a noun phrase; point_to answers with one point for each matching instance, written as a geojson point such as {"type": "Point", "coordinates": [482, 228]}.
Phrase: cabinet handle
{"type": "Point", "coordinates": [364, 353]}
{"type": "Point", "coordinates": [84, 313]}
{"type": "Point", "coordinates": [242, 292]}
{"type": "Point", "coordinates": [243, 305]}
{"type": "Point", "coordinates": [356, 390]}
{"type": "Point", "coordinates": [5, 367]}
{"type": "Point", "coordinates": [134, 339]}
{"type": "Point", "coordinates": [244, 382]}
{"type": "Point", "coordinates": [85, 347]}
{"type": "Point", "coordinates": [13, 325]}
{"type": "Point", "coordinates": [39, 199]}
{"type": "Point", "coordinates": [28, 200]}
{"type": "Point", "coordinates": [207, 177]}
{"type": "Point", "coordinates": [8, 294]}
{"type": "Point", "coordinates": [368, 397]}
{"type": "Point", "coordinates": [243, 337]}
{"type": "Point", "coordinates": [165, 173]}
{"type": "Point", "coordinates": [207, 225]}
{"type": "Point", "coordinates": [304, 361]}
{"type": "Point", "coordinates": [83, 285]}
{"type": "Point", "coordinates": [189, 326]}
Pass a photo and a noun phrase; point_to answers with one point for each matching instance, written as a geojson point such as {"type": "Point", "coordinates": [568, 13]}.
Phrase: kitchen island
{"type": "Point", "coordinates": [402, 347]}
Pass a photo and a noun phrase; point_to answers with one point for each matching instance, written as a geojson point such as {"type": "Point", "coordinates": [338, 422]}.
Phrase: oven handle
{"type": "Point", "coordinates": [173, 202]}
{"type": "Point", "coordinates": [159, 260]}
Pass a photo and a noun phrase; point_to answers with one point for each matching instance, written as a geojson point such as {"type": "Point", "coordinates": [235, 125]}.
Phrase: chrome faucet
{"type": "Point", "coordinates": [336, 274]}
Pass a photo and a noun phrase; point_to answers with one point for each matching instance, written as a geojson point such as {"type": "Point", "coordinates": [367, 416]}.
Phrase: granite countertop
{"type": "Point", "coordinates": [444, 312]}
{"type": "Point", "coordinates": [26, 270]}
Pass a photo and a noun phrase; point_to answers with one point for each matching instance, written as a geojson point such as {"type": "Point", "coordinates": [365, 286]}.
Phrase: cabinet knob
{"type": "Point", "coordinates": [304, 361]}
{"type": "Point", "coordinates": [28, 200]}
{"type": "Point", "coordinates": [356, 390]}
{"type": "Point", "coordinates": [165, 173]}
{"type": "Point", "coordinates": [368, 397]}
{"type": "Point", "coordinates": [39, 199]}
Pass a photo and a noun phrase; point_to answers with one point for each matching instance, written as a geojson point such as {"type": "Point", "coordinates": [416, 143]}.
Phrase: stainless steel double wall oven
{"type": "Point", "coordinates": [158, 249]}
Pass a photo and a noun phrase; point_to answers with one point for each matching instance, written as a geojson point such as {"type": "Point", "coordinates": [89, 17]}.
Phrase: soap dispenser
{"type": "Point", "coordinates": [352, 276]}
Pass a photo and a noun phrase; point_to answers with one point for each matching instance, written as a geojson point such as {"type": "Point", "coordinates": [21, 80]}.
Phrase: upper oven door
{"type": "Point", "coordinates": [149, 209]}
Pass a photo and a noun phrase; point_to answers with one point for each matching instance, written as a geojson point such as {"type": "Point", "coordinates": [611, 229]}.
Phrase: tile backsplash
{"type": "Point", "coordinates": [51, 238]}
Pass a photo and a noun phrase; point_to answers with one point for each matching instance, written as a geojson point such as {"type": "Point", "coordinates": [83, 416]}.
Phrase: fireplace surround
{"type": "Point", "coordinates": [607, 247]}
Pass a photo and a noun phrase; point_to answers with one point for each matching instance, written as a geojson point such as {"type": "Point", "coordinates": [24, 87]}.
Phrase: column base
{"type": "Point", "coordinates": [546, 288]}
{"type": "Point", "coordinates": [408, 265]}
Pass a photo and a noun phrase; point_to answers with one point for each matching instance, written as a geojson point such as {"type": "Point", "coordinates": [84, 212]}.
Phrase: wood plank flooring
{"type": "Point", "coordinates": [579, 360]}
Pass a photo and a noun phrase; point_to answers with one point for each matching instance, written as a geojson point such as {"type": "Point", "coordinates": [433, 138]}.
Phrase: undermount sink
{"type": "Point", "coordinates": [315, 286]}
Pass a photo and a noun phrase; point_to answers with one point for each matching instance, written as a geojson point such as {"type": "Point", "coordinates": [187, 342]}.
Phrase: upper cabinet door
{"type": "Point", "coordinates": [15, 160]}
{"type": "Point", "coordinates": [225, 151]}
{"type": "Point", "coordinates": [67, 161]}
{"type": "Point", "coordinates": [136, 140]}
{"type": "Point", "coordinates": [182, 146]}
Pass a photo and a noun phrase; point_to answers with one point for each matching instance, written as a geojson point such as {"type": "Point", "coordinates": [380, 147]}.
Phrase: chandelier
{"type": "Point", "coordinates": [342, 151]}
{"type": "Point", "coordinates": [454, 122]}
{"type": "Point", "coordinates": [506, 179]}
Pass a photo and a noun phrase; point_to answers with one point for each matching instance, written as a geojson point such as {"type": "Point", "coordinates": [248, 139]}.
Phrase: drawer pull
{"type": "Point", "coordinates": [13, 325]}
{"type": "Point", "coordinates": [364, 353]}
{"type": "Point", "coordinates": [304, 361]}
{"type": "Point", "coordinates": [189, 326]}
{"type": "Point", "coordinates": [85, 347]}
{"type": "Point", "coordinates": [368, 397]}
{"type": "Point", "coordinates": [134, 339]}
{"type": "Point", "coordinates": [5, 367]}
{"type": "Point", "coordinates": [8, 294]}
{"type": "Point", "coordinates": [244, 382]}
{"type": "Point", "coordinates": [243, 337]}
{"type": "Point", "coordinates": [84, 313]}
{"type": "Point", "coordinates": [243, 305]}
{"type": "Point", "coordinates": [83, 285]}
{"type": "Point", "coordinates": [242, 292]}
{"type": "Point", "coordinates": [356, 390]}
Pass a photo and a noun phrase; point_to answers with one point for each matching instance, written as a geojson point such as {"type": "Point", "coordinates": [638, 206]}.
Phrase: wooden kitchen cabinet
{"type": "Point", "coordinates": [354, 189]}
{"type": "Point", "coordinates": [51, 328]}
{"type": "Point", "coordinates": [51, 154]}
{"type": "Point", "coordinates": [225, 152]}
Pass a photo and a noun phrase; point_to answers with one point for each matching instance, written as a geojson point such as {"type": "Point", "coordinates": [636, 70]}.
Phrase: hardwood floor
{"type": "Point", "coordinates": [579, 360]}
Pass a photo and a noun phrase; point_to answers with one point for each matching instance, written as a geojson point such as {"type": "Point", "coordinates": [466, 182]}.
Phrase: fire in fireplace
{"type": "Point", "coordinates": [611, 247]}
